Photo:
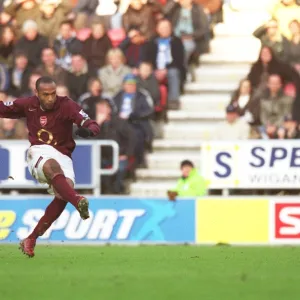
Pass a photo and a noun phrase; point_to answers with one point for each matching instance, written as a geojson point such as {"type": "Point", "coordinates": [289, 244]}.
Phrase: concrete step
{"type": "Point", "coordinates": [189, 131]}
{"type": "Point", "coordinates": [195, 116]}
{"type": "Point", "coordinates": [155, 174]}
{"type": "Point", "coordinates": [184, 147]}
{"type": "Point", "coordinates": [232, 58]}
{"type": "Point", "coordinates": [151, 188]}
{"type": "Point", "coordinates": [222, 73]}
{"type": "Point", "coordinates": [210, 87]}
{"type": "Point", "coordinates": [232, 44]}
{"type": "Point", "coordinates": [171, 159]}
{"type": "Point", "coordinates": [205, 102]}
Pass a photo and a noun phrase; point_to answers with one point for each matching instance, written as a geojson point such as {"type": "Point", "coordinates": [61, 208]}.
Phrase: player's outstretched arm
{"type": "Point", "coordinates": [88, 129]}
{"type": "Point", "coordinates": [12, 109]}
{"type": "Point", "coordinates": [86, 126]}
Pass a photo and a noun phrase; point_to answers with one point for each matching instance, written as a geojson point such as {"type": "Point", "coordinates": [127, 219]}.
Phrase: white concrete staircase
{"type": "Point", "coordinates": [202, 108]}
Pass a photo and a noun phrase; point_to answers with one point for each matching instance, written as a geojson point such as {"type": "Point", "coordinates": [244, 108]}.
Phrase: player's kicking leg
{"type": "Point", "coordinates": [63, 188]}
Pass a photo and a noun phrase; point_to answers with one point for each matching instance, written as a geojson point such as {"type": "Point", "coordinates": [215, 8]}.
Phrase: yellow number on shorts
{"type": "Point", "coordinates": [7, 219]}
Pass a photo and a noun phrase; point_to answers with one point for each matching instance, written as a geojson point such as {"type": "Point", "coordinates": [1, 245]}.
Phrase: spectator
{"type": "Point", "coordinates": [190, 23]}
{"type": "Point", "coordinates": [88, 100]}
{"type": "Point", "coordinates": [268, 64]}
{"type": "Point", "coordinates": [289, 130]}
{"type": "Point", "coordinates": [32, 43]}
{"type": "Point", "coordinates": [166, 54]}
{"type": "Point", "coordinates": [274, 104]}
{"type": "Point", "coordinates": [32, 85]}
{"type": "Point", "coordinates": [242, 100]}
{"type": "Point", "coordinates": [270, 36]}
{"type": "Point", "coordinates": [62, 90]}
{"type": "Point", "coordinates": [96, 47]}
{"type": "Point", "coordinates": [146, 80]}
{"type": "Point", "coordinates": [53, 12]}
{"type": "Point", "coordinates": [77, 78]}
{"type": "Point", "coordinates": [12, 129]}
{"type": "Point", "coordinates": [5, 19]}
{"type": "Point", "coordinates": [133, 105]}
{"type": "Point", "coordinates": [234, 128]}
{"type": "Point", "coordinates": [19, 75]}
{"type": "Point", "coordinates": [83, 11]}
{"type": "Point", "coordinates": [49, 68]}
{"type": "Point", "coordinates": [118, 130]}
{"type": "Point", "coordinates": [7, 43]}
{"type": "Point", "coordinates": [294, 46]}
{"type": "Point", "coordinates": [134, 47]}
{"type": "Point", "coordinates": [139, 15]}
{"type": "Point", "coordinates": [191, 183]}
{"type": "Point", "coordinates": [285, 12]}
{"type": "Point", "coordinates": [66, 44]}
{"type": "Point", "coordinates": [113, 73]}
{"type": "Point", "coordinates": [22, 11]}
{"type": "Point", "coordinates": [4, 77]}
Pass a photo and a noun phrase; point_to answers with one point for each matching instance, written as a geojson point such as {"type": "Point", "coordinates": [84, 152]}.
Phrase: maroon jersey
{"type": "Point", "coordinates": [53, 127]}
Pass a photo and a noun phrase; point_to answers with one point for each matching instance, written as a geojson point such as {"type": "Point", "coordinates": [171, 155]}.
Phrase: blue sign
{"type": "Point", "coordinates": [126, 220]}
{"type": "Point", "coordinates": [13, 163]}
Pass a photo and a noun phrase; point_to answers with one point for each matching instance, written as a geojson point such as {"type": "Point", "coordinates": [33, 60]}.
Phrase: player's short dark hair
{"type": "Point", "coordinates": [45, 80]}
{"type": "Point", "coordinates": [186, 163]}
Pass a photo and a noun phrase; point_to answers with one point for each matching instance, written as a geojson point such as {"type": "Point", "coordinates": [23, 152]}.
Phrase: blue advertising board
{"type": "Point", "coordinates": [13, 163]}
{"type": "Point", "coordinates": [127, 220]}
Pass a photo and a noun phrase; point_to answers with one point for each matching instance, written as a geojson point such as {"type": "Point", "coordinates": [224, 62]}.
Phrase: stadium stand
{"type": "Point", "coordinates": [219, 49]}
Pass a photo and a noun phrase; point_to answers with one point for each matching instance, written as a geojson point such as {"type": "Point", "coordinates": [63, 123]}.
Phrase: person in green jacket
{"type": "Point", "coordinates": [191, 184]}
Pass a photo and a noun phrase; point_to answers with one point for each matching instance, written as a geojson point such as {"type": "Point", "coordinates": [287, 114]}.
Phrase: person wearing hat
{"type": "Point", "coordinates": [191, 183]}
{"type": "Point", "coordinates": [31, 43]}
{"type": "Point", "coordinates": [234, 127]}
{"type": "Point", "coordinates": [21, 11]}
{"type": "Point", "coordinates": [53, 12]}
{"type": "Point", "coordinates": [136, 106]}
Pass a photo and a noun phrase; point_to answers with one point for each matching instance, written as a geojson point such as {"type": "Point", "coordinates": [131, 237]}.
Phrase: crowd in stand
{"type": "Point", "coordinates": [125, 62]}
{"type": "Point", "coordinates": [267, 103]}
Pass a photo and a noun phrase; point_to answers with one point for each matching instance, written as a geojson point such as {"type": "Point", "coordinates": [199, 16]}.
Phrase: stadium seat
{"type": "Point", "coordinates": [116, 36]}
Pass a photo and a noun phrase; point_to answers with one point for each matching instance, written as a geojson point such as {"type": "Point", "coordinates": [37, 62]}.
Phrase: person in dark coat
{"type": "Point", "coordinates": [141, 15]}
{"type": "Point", "coordinates": [268, 64]}
{"type": "Point", "coordinates": [136, 106]}
{"type": "Point", "coordinates": [19, 76]}
{"type": "Point", "coordinates": [89, 99]}
{"type": "Point", "coordinates": [32, 43]}
{"type": "Point", "coordinates": [118, 130]}
{"type": "Point", "coordinates": [190, 23]}
{"type": "Point", "coordinates": [83, 12]}
{"type": "Point", "coordinates": [66, 44]}
{"type": "Point", "coordinates": [270, 36]}
{"type": "Point", "coordinates": [78, 77]}
{"type": "Point", "coordinates": [49, 68]}
{"type": "Point", "coordinates": [166, 54]}
{"type": "Point", "coordinates": [134, 48]}
{"type": "Point", "coordinates": [146, 80]}
{"type": "Point", "coordinates": [96, 46]}
{"type": "Point", "coordinates": [293, 57]}
{"type": "Point", "coordinates": [7, 45]}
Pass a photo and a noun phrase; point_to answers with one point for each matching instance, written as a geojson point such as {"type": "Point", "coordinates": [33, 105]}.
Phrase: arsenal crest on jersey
{"type": "Point", "coordinates": [43, 120]}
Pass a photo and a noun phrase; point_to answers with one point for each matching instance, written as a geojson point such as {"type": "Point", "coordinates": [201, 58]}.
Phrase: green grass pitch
{"type": "Point", "coordinates": [150, 272]}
